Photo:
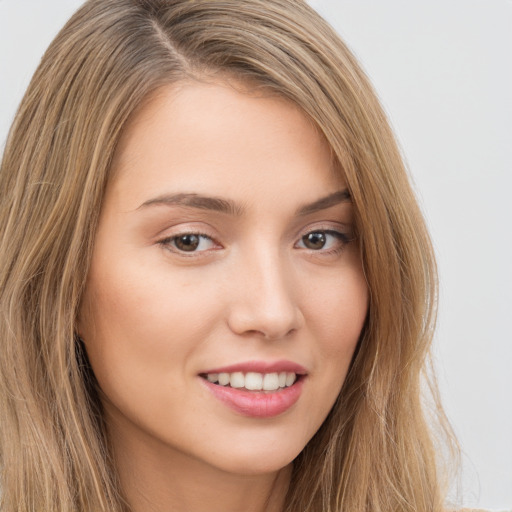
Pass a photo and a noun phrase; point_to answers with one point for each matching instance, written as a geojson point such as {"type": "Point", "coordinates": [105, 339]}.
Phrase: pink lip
{"type": "Point", "coordinates": [261, 367]}
{"type": "Point", "coordinates": [258, 404]}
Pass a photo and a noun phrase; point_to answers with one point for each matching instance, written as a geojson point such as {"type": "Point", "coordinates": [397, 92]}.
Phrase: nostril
{"type": "Point", "coordinates": [267, 306]}
{"type": "Point", "coordinates": [267, 334]}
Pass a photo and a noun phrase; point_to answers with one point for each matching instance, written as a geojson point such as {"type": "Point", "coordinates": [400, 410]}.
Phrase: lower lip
{"type": "Point", "coordinates": [257, 404]}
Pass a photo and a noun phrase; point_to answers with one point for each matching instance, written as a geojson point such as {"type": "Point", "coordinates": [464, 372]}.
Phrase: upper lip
{"type": "Point", "coordinates": [260, 367]}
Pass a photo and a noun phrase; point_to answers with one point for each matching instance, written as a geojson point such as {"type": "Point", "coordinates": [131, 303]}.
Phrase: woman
{"type": "Point", "coordinates": [216, 286]}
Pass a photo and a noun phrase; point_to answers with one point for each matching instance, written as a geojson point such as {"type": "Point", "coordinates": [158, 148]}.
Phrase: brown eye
{"type": "Point", "coordinates": [324, 241]}
{"type": "Point", "coordinates": [315, 240]}
{"type": "Point", "coordinates": [188, 243]}
{"type": "Point", "coordinates": [192, 243]}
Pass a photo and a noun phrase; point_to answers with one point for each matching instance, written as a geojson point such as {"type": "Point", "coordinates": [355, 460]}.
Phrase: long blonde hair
{"type": "Point", "coordinates": [375, 452]}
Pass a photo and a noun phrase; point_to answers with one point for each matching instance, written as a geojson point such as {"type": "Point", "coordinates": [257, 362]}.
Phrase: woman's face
{"type": "Point", "coordinates": [226, 295]}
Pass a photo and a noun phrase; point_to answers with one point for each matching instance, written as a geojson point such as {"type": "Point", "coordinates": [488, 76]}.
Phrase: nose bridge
{"type": "Point", "coordinates": [266, 301]}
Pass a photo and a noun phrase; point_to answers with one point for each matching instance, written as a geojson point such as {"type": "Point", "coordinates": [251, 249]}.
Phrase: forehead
{"type": "Point", "coordinates": [221, 138]}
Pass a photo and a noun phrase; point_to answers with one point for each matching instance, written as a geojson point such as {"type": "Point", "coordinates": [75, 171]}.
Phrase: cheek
{"type": "Point", "coordinates": [339, 307]}
{"type": "Point", "coordinates": [140, 324]}
{"type": "Point", "coordinates": [137, 300]}
{"type": "Point", "coordinates": [337, 314]}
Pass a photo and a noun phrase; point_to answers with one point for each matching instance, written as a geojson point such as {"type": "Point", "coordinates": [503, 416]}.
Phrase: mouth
{"type": "Point", "coordinates": [254, 381]}
{"type": "Point", "coordinates": [257, 389]}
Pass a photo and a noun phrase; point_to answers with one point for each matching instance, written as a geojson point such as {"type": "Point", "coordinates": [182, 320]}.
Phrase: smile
{"type": "Point", "coordinates": [257, 389]}
{"type": "Point", "coordinates": [253, 381]}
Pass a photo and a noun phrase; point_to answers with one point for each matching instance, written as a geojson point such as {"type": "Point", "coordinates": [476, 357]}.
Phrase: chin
{"type": "Point", "coordinates": [256, 459]}
{"type": "Point", "coordinates": [251, 467]}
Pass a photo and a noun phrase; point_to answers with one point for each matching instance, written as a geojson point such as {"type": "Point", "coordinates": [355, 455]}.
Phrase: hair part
{"type": "Point", "coordinates": [375, 451]}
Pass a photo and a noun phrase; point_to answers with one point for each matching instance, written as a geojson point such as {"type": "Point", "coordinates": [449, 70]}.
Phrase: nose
{"type": "Point", "coordinates": [265, 299]}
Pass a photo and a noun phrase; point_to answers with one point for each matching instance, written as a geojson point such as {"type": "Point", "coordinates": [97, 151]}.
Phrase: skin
{"type": "Point", "coordinates": [154, 316]}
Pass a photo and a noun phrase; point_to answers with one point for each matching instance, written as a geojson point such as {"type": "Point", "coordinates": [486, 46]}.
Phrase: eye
{"type": "Point", "coordinates": [321, 239]}
{"type": "Point", "coordinates": [189, 242]}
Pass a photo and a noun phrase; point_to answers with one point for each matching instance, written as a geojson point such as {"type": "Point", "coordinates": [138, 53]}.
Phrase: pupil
{"type": "Point", "coordinates": [314, 240]}
{"type": "Point", "coordinates": [187, 242]}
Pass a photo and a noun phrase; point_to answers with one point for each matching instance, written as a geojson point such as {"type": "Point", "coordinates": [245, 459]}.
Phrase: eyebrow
{"type": "Point", "coordinates": [229, 207]}
{"type": "Point", "coordinates": [198, 201]}
{"type": "Point", "coordinates": [341, 196]}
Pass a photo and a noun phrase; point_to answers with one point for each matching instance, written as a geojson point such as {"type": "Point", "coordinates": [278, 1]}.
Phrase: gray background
{"type": "Point", "coordinates": [443, 71]}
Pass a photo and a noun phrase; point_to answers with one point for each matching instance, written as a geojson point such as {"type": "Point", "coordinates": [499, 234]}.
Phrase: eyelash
{"type": "Point", "coordinates": [343, 239]}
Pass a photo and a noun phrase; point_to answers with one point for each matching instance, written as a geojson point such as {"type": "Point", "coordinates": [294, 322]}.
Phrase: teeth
{"type": "Point", "coordinates": [290, 378]}
{"type": "Point", "coordinates": [237, 380]}
{"type": "Point", "coordinates": [271, 382]}
{"type": "Point", "coordinates": [223, 378]}
{"type": "Point", "coordinates": [254, 381]}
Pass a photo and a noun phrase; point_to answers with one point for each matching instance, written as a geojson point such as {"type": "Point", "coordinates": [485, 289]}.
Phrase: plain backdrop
{"type": "Point", "coordinates": [443, 70]}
